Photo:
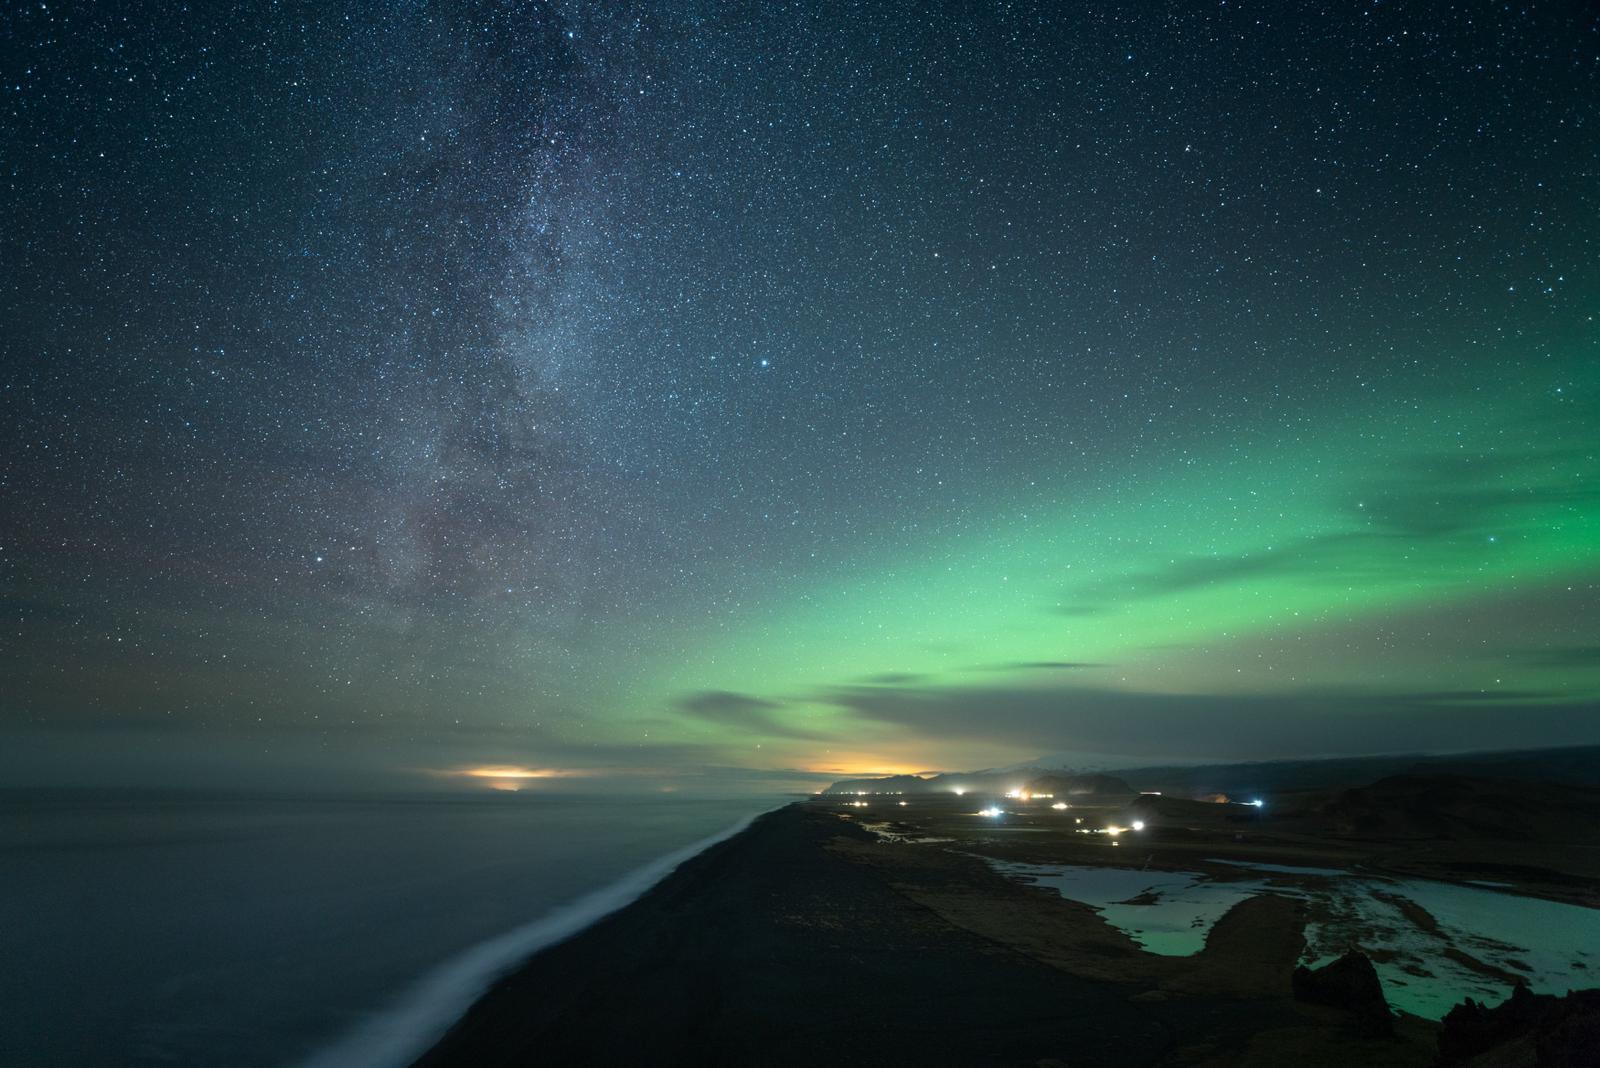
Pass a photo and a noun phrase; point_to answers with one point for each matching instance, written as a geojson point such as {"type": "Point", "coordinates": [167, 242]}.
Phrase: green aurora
{"type": "Point", "coordinates": [678, 398]}
{"type": "Point", "coordinates": [1440, 552]}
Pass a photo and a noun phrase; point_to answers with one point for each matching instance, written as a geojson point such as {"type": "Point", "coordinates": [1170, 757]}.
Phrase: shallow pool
{"type": "Point", "coordinates": [1553, 947]}
{"type": "Point", "coordinates": [1467, 941]}
{"type": "Point", "coordinates": [1165, 912]}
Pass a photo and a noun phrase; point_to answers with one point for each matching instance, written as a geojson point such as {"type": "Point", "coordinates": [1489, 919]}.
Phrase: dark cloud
{"type": "Point", "coordinates": [1430, 500]}
{"type": "Point", "coordinates": [769, 778]}
{"type": "Point", "coordinates": [1560, 657]}
{"type": "Point", "coordinates": [893, 678]}
{"type": "Point", "coordinates": [740, 711]}
{"type": "Point", "coordinates": [1305, 557]}
{"type": "Point", "coordinates": [174, 758]}
{"type": "Point", "coordinates": [1042, 665]}
{"type": "Point", "coordinates": [1225, 726]}
{"type": "Point", "coordinates": [1465, 697]}
{"type": "Point", "coordinates": [1447, 495]}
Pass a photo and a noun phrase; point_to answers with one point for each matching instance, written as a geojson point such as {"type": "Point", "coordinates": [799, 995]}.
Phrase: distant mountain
{"type": "Point", "coordinates": [1062, 784]}
{"type": "Point", "coordinates": [890, 784]}
{"type": "Point", "coordinates": [1456, 807]}
{"type": "Point", "coordinates": [949, 782]}
{"type": "Point", "coordinates": [913, 784]}
{"type": "Point", "coordinates": [1573, 766]}
{"type": "Point", "coordinates": [1034, 780]}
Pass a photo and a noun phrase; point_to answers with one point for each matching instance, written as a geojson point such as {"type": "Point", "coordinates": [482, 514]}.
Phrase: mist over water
{"type": "Point", "coordinates": [258, 930]}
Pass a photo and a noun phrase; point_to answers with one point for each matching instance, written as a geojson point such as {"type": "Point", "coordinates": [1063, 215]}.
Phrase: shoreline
{"type": "Point", "coordinates": [786, 943]}
{"type": "Point", "coordinates": [431, 1006]}
{"type": "Point", "coordinates": [812, 935]}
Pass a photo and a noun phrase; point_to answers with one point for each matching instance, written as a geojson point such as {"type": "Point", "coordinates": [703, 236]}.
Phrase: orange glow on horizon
{"type": "Point", "coordinates": [494, 772]}
{"type": "Point", "coordinates": [861, 767]}
{"type": "Point", "coordinates": [509, 776]}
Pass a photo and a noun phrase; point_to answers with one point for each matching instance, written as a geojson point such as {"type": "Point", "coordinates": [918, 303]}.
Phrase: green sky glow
{"type": "Point", "coordinates": [699, 397]}
{"type": "Point", "coordinates": [1322, 561]}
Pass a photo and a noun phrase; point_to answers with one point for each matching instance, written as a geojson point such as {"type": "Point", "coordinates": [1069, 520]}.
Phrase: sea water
{"type": "Point", "coordinates": [191, 929]}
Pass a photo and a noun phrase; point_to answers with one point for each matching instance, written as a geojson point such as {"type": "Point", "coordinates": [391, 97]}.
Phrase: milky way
{"type": "Point", "coordinates": [666, 390]}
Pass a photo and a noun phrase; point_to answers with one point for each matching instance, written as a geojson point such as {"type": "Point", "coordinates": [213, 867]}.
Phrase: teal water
{"type": "Point", "coordinates": [1554, 947]}
{"type": "Point", "coordinates": [205, 930]}
{"type": "Point", "coordinates": [1174, 925]}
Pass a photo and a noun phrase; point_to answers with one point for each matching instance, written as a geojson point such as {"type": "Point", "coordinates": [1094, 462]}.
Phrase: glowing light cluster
{"type": "Point", "coordinates": [509, 778]}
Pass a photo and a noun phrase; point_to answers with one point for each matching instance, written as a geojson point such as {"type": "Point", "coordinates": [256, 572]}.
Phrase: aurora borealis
{"type": "Point", "coordinates": [698, 393]}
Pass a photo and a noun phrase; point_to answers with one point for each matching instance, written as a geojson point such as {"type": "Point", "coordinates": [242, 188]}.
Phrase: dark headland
{"type": "Point", "coordinates": [780, 946]}
{"type": "Point", "coordinates": [866, 931]}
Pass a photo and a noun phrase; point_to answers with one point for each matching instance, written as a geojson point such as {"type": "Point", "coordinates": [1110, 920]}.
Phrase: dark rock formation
{"type": "Point", "coordinates": [1527, 1029]}
{"type": "Point", "coordinates": [1349, 983]}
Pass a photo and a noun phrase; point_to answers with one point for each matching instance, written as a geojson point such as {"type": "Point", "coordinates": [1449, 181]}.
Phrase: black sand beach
{"type": "Point", "coordinates": [781, 946]}
{"type": "Point", "coordinates": [880, 932]}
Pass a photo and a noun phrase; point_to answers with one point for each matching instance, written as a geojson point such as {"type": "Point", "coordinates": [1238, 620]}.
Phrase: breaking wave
{"type": "Point", "coordinates": [405, 1030]}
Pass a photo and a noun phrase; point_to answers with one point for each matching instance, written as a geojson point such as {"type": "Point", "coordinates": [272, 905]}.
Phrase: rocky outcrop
{"type": "Point", "coordinates": [1527, 1030]}
{"type": "Point", "coordinates": [1349, 983]}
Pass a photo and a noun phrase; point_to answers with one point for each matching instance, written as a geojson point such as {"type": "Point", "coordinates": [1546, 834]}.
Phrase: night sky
{"type": "Point", "coordinates": [684, 394]}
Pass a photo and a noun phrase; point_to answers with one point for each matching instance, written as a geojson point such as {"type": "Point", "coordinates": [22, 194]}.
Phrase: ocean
{"type": "Point", "coordinates": [205, 929]}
